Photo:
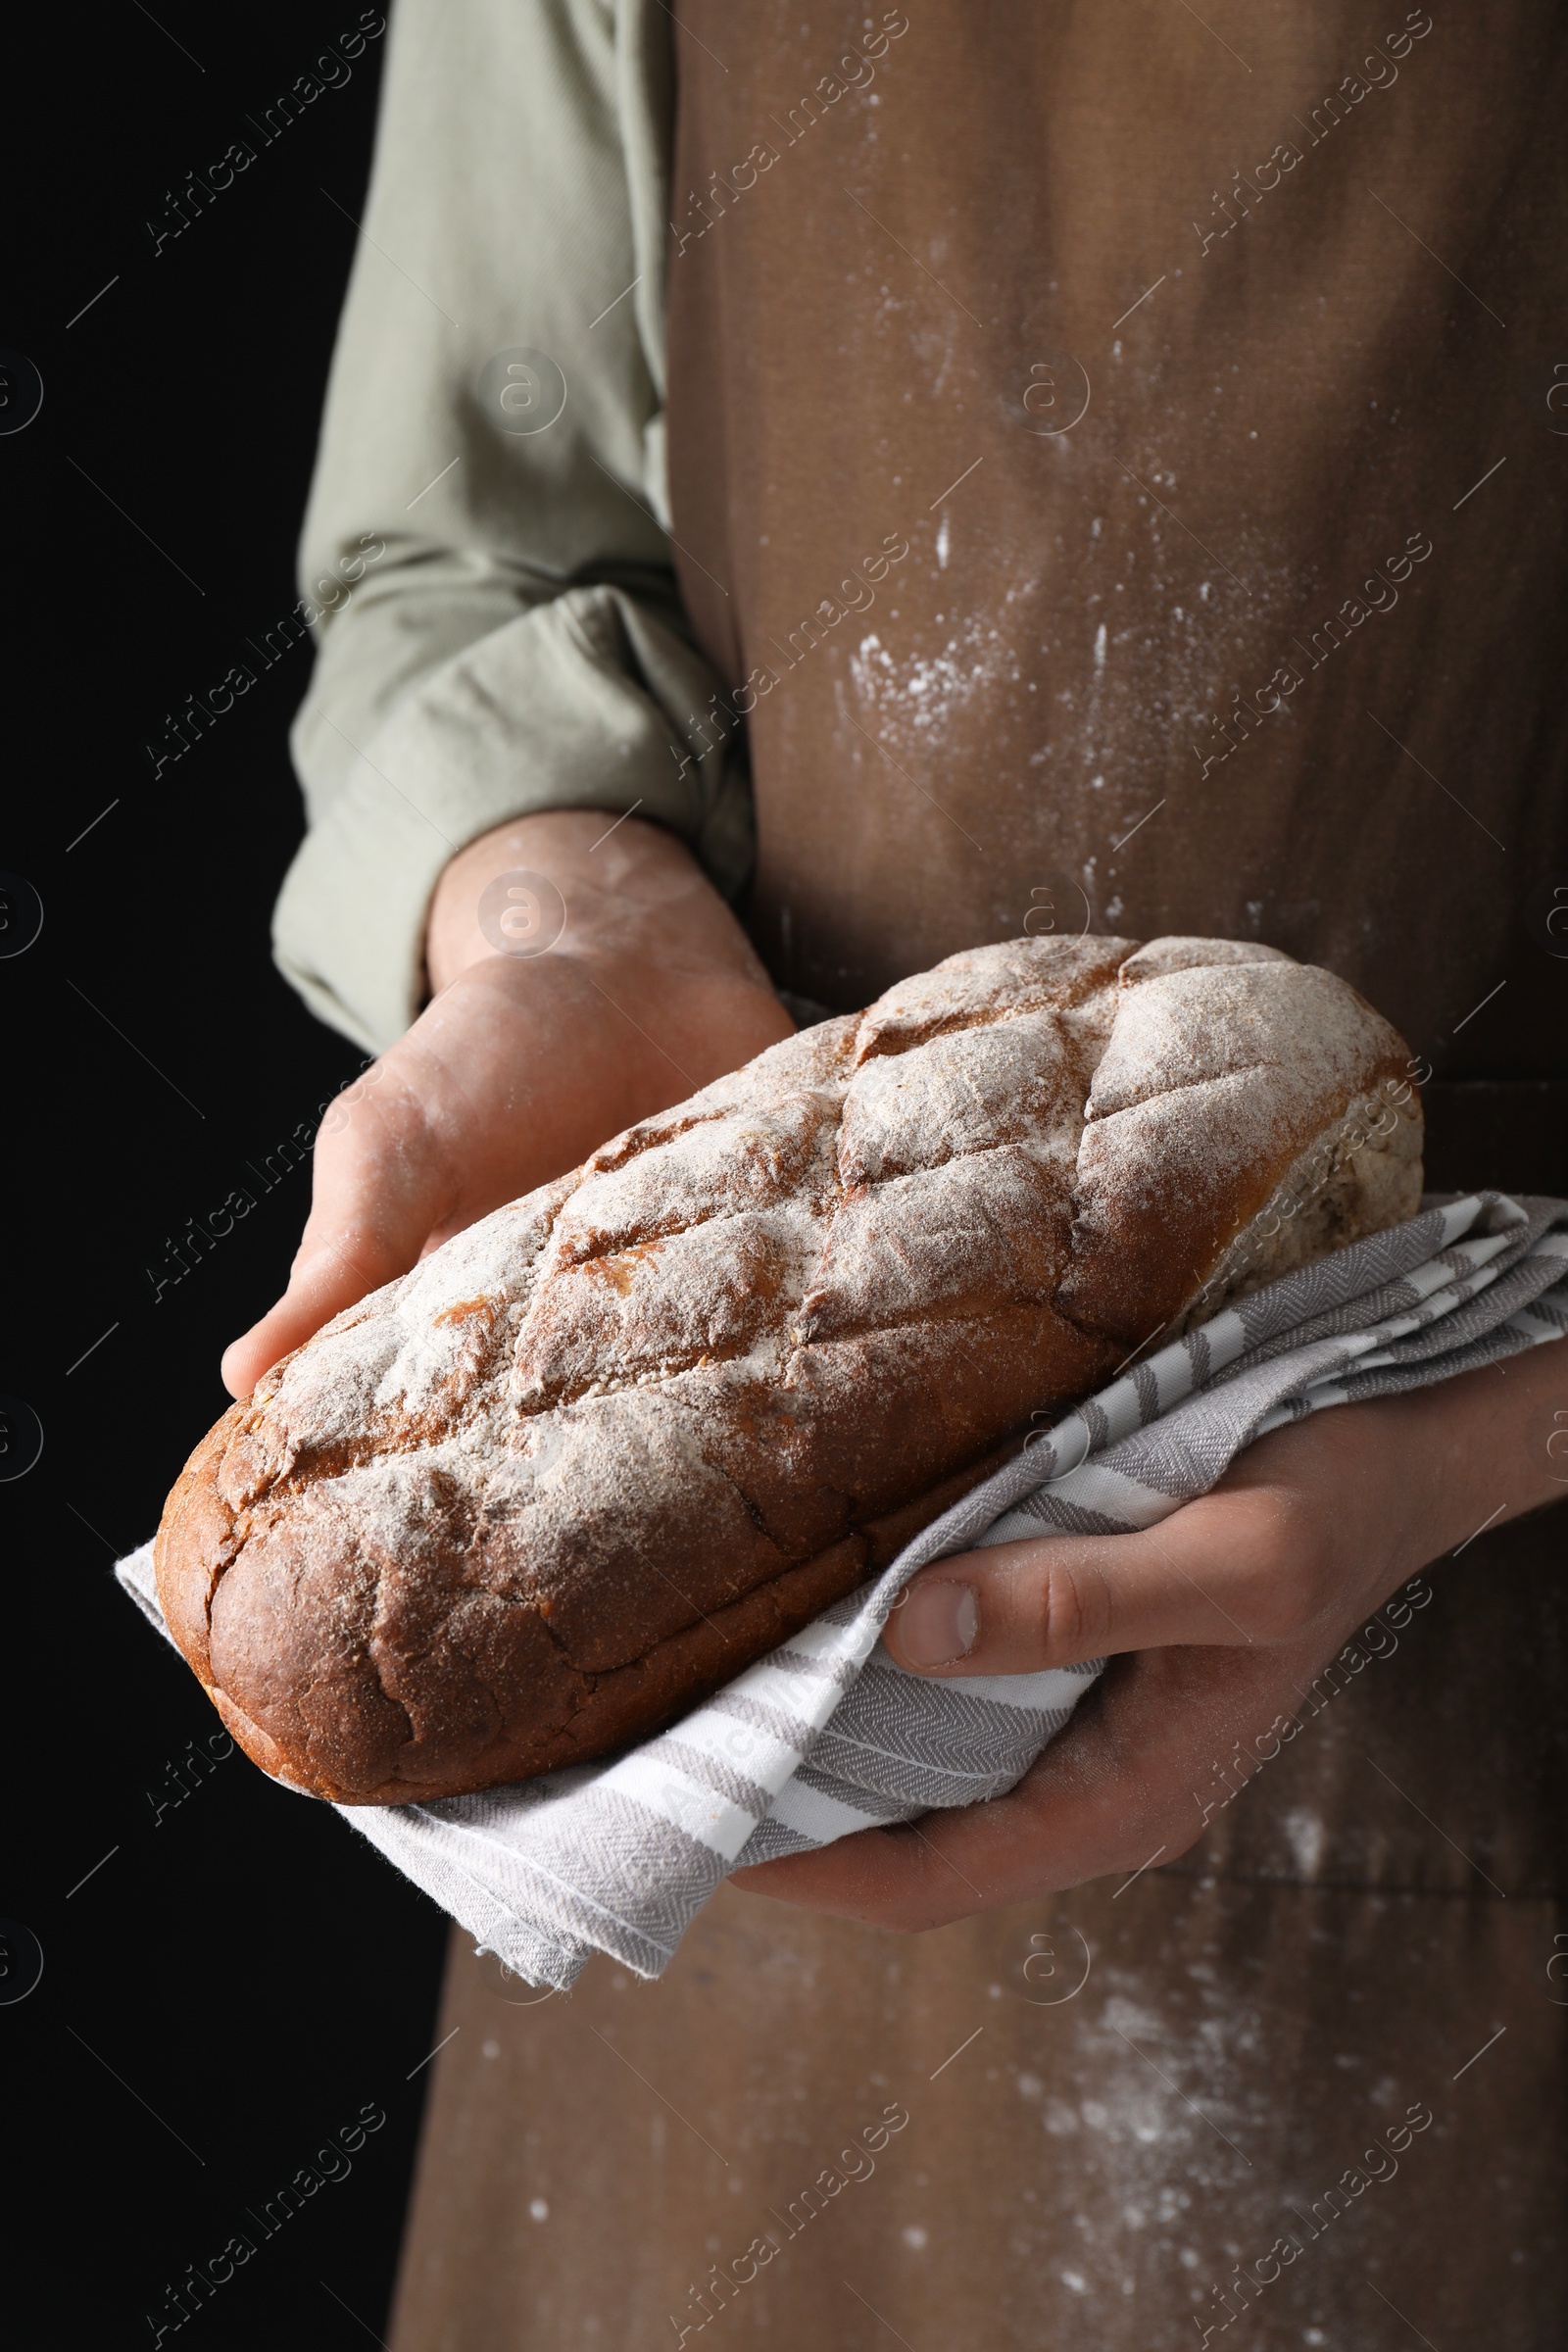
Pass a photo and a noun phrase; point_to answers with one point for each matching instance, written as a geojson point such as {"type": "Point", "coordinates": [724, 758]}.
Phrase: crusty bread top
{"type": "Point", "coordinates": [597, 1451]}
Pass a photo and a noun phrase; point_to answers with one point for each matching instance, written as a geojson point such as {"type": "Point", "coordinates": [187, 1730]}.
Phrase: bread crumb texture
{"type": "Point", "coordinates": [597, 1453]}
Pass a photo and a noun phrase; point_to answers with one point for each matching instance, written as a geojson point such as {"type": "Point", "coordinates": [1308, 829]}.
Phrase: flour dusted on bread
{"type": "Point", "coordinates": [597, 1453]}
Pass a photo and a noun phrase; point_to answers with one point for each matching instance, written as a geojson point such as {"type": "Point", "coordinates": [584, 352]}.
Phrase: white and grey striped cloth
{"type": "Point", "coordinates": [827, 1735]}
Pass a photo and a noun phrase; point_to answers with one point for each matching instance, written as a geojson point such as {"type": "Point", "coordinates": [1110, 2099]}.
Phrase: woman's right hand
{"type": "Point", "coordinates": [520, 1066]}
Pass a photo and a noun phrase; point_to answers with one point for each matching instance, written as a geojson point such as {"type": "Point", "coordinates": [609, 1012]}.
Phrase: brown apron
{"type": "Point", "coordinates": [1119, 483]}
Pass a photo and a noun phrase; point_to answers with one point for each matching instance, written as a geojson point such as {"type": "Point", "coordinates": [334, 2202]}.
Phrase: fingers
{"type": "Point", "coordinates": [340, 1269]}
{"type": "Point", "coordinates": [891, 1878]}
{"type": "Point", "coordinates": [379, 1188]}
{"type": "Point", "coordinates": [1124, 1789]}
{"type": "Point", "coordinates": [1054, 1600]}
{"type": "Point", "coordinates": [513, 1073]}
{"type": "Point", "coordinates": [1084, 1811]}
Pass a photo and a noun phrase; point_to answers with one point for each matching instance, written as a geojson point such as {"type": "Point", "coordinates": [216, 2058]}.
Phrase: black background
{"type": "Point", "coordinates": [243, 1974]}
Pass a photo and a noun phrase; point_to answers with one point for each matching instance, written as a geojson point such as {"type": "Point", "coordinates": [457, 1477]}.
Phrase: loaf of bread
{"type": "Point", "coordinates": [597, 1453]}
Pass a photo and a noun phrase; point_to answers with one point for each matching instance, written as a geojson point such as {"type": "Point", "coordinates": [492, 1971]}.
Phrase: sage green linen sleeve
{"type": "Point", "coordinates": [498, 625]}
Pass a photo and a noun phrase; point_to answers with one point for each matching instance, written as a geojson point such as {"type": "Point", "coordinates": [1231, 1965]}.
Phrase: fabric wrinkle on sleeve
{"type": "Point", "coordinates": [513, 639]}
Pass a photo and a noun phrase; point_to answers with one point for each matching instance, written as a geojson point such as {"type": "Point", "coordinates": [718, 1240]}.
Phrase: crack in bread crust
{"type": "Point", "coordinates": [590, 1456]}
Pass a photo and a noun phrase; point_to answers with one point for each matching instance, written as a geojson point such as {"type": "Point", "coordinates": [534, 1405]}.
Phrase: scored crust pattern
{"type": "Point", "coordinates": [601, 1450]}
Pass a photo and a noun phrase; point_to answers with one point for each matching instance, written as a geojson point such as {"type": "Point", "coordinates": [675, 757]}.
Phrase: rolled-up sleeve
{"type": "Point", "coordinates": [498, 625]}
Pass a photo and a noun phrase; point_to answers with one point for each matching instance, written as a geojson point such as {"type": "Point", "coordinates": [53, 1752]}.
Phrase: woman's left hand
{"type": "Point", "coordinates": [1218, 1621]}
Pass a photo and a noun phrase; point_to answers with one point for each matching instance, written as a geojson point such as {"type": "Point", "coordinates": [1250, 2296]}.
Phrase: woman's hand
{"type": "Point", "coordinates": [1219, 1619]}
{"type": "Point", "coordinates": [522, 1066]}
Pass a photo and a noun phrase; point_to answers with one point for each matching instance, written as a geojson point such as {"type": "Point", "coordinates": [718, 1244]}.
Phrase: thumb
{"type": "Point", "coordinates": [1056, 1600]}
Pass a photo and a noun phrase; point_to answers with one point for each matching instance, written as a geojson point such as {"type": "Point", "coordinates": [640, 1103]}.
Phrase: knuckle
{"type": "Point", "coordinates": [1280, 1609]}
{"type": "Point", "coordinates": [1073, 1613]}
{"type": "Point", "coordinates": [1284, 1563]}
{"type": "Point", "coordinates": [1309, 1576]}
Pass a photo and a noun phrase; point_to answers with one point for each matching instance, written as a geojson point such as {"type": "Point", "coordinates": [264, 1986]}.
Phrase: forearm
{"type": "Point", "coordinates": [500, 627]}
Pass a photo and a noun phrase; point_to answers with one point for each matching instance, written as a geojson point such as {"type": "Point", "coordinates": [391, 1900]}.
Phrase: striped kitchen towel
{"type": "Point", "coordinates": [827, 1735]}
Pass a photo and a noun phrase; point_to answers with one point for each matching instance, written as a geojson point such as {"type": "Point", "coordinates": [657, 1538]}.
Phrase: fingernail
{"type": "Point", "coordinates": [939, 1623]}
